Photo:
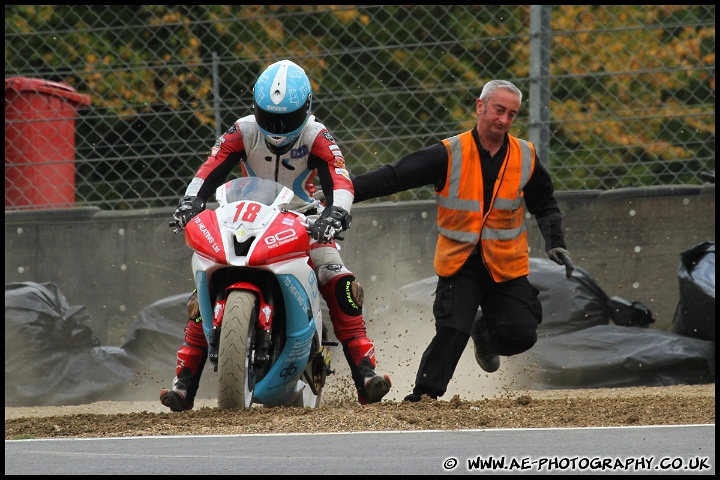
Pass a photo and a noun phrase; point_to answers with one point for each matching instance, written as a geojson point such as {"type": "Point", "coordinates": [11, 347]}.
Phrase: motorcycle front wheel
{"type": "Point", "coordinates": [236, 375]}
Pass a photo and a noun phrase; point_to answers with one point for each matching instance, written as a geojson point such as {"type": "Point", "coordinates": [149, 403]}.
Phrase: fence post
{"type": "Point", "coordinates": [539, 95]}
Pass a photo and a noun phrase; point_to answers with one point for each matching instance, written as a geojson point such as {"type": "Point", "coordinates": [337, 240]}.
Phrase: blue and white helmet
{"type": "Point", "coordinates": [283, 98]}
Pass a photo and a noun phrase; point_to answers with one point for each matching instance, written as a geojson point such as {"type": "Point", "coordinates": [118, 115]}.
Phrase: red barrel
{"type": "Point", "coordinates": [40, 143]}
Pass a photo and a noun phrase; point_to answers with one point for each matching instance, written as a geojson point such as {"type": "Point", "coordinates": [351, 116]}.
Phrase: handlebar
{"type": "Point", "coordinates": [335, 232]}
{"type": "Point", "coordinates": [176, 225]}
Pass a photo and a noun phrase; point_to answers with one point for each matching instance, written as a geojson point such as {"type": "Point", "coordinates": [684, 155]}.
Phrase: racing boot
{"type": "Point", "coordinates": [371, 386]}
{"type": "Point", "coordinates": [190, 364]}
{"type": "Point", "coordinates": [485, 355]}
{"type": "Point", "coordinates": [344, 297]}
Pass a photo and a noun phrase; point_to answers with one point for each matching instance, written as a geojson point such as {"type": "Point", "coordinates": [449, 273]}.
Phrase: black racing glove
{"type": "Point", "coordinates": [188, 207]}
{"type": "Point", "coordinates": [561, 256]}
{"type": "Point", "coordinates": [332, 221]}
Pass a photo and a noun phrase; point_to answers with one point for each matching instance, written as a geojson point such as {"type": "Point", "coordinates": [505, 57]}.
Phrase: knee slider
{"type": "Point", "coordinates": [350, 295]}
{"type": "Point", "coordinates": [357, 293]}
{"type": "Point", "coordinates": [193, 306]}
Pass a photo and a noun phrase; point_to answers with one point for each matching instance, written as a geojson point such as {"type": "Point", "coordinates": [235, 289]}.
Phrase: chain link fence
{"type": "Point", "coordinates": [614, 95]}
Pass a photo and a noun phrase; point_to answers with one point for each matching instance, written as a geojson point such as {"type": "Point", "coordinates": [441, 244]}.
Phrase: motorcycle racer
{"type": "Point", "coordinates": [284, 142]}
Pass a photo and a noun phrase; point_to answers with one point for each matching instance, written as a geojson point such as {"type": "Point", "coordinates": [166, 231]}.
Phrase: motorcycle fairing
{"type": "Point", "coordinates": [297, 304]}
{"type": "Point", "coordinates": [265, 311]}
{"type": "Point", "coordinates": [206, 306]}
{"type": "Point", "coordinates": [299, 329]}
{"type": "Point", "coordinates": [246, 218]}
{"type": "Point", "coordinates": [203, 235]}
{"type": "Point", "coordinates": [288, 367]}
{"type": "Point", "coordinates": [286, 237]}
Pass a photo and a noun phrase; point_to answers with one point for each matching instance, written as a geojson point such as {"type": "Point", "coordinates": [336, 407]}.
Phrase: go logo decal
{"type": "Point", "coordinates": [280, 237]}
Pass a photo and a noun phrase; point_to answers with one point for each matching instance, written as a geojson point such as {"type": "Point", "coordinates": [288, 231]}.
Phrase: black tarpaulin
{"type": "Point", "coordinates": [51, 356]}
{"type": "Point", "coordinates": [695, 313]}
{"type": "Point", "coordinates": [610, 356]}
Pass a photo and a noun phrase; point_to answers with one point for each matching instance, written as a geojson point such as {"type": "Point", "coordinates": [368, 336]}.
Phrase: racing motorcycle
{"type": "Point", "coordinates": [259, 297]}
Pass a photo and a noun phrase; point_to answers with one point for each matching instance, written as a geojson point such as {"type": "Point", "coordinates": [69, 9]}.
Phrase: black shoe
{"type": "Point", "coordinates": [413, 397]}
{"type": "Point", "coordinates": [416, 397]}
{"type": "Point", "coordinates": [484, 354]}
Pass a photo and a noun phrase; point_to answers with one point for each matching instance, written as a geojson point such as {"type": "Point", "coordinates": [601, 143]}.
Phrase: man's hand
{"type": "Point", "coordinates": [562, 257]}
{"type": "Point", "coordinates": [332, 220]}
{"type": "Point", "coordinates": [188, 207]}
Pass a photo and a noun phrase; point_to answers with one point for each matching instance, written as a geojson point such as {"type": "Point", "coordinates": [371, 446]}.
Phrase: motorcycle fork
{"type": "Point", "coordinates": [214, 340]}
{"type": "Point", "coordinates": [265, 319]}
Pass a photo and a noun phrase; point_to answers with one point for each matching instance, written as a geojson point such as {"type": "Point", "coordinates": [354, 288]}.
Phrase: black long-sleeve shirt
{"type": "Point", "coordinates": [428, 166]}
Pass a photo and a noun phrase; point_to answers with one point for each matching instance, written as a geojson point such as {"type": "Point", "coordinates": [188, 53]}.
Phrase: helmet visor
{"type": "Point", "coordinates": [281, 123]}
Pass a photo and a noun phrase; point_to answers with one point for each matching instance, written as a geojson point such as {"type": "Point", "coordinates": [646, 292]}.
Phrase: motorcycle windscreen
{"type": "Point", "coordinates": [202, 234]}
{"type": "Point", "coordinates": [284, 239]}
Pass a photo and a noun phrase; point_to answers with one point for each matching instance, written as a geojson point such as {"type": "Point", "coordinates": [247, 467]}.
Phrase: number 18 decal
{"type": "Point", "coordinates": [250, 214]}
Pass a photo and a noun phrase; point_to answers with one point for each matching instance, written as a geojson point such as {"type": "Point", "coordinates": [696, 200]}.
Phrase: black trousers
{"type": "Point", "coordinates": [511, 313]}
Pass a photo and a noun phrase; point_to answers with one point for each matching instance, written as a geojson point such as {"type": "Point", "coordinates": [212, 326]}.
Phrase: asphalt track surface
{"type": "Point", "coordinates": [676, 449]}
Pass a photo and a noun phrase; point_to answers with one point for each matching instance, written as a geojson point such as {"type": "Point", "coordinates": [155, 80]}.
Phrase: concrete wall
{"type": "Point", "coordinates": [116, 263]}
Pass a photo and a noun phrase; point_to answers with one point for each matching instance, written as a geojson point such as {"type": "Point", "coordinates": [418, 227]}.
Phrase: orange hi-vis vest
{"type": "Point", "coordinates": [461, 223]}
